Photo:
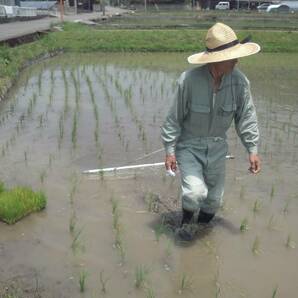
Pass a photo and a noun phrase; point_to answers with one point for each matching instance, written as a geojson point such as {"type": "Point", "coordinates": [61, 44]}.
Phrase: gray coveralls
{"type": "Point", "coordinates": [195, 130]}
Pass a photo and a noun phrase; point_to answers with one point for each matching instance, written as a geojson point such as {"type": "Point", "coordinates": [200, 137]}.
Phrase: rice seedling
{"type": "Point", "coordinates": [141, 275]}
{"type": "Point", "coordinates": [103, 281]}
{"type": "Point", "coordinates": [150, 292]}
{"type": "Point", "coordinates": [244, 225]}
{"type": "Point", "coordinates": [242, 192]}
{"type": "Point", "coordinates": [61, 130]}
{"type": "Point", "coordinates": [272, 223]}
{"type": "Point", "coordinates": [40, 120]}
{"type": "Point", "coordinates": [152, 201]}
{"type": "Point", "coordinates": [169, 248]}
{"type": "Point", "coordinates": [257, 206]}
{"type": "Point", "coordinates": [274, 292]}
{"type": "Point", "coordinates": [82, 280]}
{"type": "Point", "coordinates": [39, 82]}
{"type": "Point", "coordinates": [42, 176]}
{"type": "Point", "coordinates": [76, 244]}
{"type": "Point", "coordinates": [286, 207]}
{"type": "Point", "coordinates": [290, 243]}
{"type": "Point", "coordinates": [66, 104]}
{"type": "Point", "coordinates": [19, 202]}
{"type": "Point", "coordinates": [26, 158]}
{"type": "Point", "coordinates": [74, 185]}
{"type": "Point", "coordinates": [186, 284]}
{"type": "Point", "coordinates": [51, 157]}
{"type": "Point", "coordinates": [272, 192]}
{"type": "Point", "coordinates": [72, 222]}
{"type": "Point", "coordinates": [256, 246]}
{"type": "Point", "coordinates": [74, 130]}
{"type": "Point", "coordinates": [77, 88]}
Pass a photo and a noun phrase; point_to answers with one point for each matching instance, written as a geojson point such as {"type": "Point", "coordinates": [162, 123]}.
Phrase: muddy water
{"type": "Point", "coordinates": [80, 112]}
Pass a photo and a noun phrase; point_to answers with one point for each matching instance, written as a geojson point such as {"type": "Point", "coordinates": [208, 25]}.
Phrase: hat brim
{"type": "Point", "coordinates": [237, 51]}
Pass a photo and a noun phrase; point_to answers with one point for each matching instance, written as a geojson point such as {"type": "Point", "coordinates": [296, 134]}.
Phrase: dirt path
{"type": "Point", "coordinates": [18, 29]}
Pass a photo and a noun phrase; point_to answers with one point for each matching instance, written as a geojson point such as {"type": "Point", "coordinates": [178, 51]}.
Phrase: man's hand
{"type": "Point", "coordinates": [170, 162]}
{"type": "Point", "coordinates": [255, 163]}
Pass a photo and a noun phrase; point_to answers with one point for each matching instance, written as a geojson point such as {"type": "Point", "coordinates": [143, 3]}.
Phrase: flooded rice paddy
{"type": "Point", "coordinates": [112, 235]}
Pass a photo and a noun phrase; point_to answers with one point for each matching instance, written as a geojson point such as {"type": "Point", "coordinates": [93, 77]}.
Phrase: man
{"type": "Point", "coordinates": [208, 98]}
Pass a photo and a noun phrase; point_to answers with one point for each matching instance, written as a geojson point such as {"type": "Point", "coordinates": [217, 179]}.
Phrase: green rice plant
{"type": "Point", "coordinates": [82, 280]}
{"type": "Point", "coordinates": [257, 206]}
{"type": "Point", "coordinates": [66, 105]}
{"type": "Point", "coordinates": [26, 158]}
{"type": "Point", "coordinates": [76, 244]}
{"type": "Point", "coordinates": [19, 202]}
{"type": "Point", "coordinates": [169, 248]}
{"type": "Point", "coordinates": [74, 130]}
{"type": "Point", "coordinates": [272, 192]}
{"type": "Point", "coordinates": [103, 281]}
{"type": "Point", "coordinates": [51, 157]}
{"type": "Point", "coordinates": [242, 192]}
{"type": "Point", "coordinates": [287, 205]}
{"type": "Point", "coordinates": [244, 225]}
{"type": "Point", "coordinates": [272, 223]}
{"type": "Point", "coordinates": [274, 292]}
{"type": "Point", "coordinates": [150, 292]}
{"type": "Point", "coordinates": [72, 222]}
{"type": "Point", "coordinates": [159, 230]}
{"type": "Point", "coordinates": [39, 82]}
{"type": "Point", "coordinates": [61, 130]}
{"type": "Point", "coordinates": [40, 120]}
{"type": "Point", "coordinates": [256, 246]}
{"type": "Point", "coordinates": [290, 243]}
{"type": "Point", "coordinates": [42, 176]}
{"type": "Point", "coordinates": [141, 275]}
{"type": "Point", "coordinates": [185, 284]}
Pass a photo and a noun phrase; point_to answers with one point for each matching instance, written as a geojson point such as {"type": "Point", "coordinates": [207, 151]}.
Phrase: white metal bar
{"type": "Point", "coordinates": [146, 165]}
{"type": "Point", "coordinates": [115, 169]}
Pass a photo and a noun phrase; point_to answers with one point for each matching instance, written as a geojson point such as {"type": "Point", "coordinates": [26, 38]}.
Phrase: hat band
{"type": "Point", "coordinates": [225, 46]}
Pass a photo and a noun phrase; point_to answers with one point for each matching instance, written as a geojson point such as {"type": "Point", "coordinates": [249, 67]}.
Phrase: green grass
{"type": "Point", "coordinates": [19, 202]}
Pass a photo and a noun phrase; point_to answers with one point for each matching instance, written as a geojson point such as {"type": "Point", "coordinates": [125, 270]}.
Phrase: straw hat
{"type": "Point", "coordinates": [222, 44]}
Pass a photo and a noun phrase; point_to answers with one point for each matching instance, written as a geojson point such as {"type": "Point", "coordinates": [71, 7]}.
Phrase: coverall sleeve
{"type": "Point", "coordinates": [171, 129]}
{"type": "Point", "coordinates": [246, 123]}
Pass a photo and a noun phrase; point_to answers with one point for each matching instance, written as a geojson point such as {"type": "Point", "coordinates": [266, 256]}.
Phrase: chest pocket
{"type": "Point", "coordinates": [225, 115]}
{"type": "Point", "coordinates": [199, 119]}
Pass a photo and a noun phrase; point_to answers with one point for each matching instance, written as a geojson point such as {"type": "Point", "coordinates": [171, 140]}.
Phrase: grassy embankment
{"type": "Point", "coordinates": [19, 202]}
{"type": "Point", "coordinates": [80, 38]}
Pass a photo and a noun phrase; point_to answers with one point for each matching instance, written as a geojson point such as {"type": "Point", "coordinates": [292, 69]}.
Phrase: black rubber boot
{"type": "Point", "coordinates": [186, 217]}
{"type": "Point", "coordinates": [187, 230]}
{"type": "Point", "coordinates": [205, 217]}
